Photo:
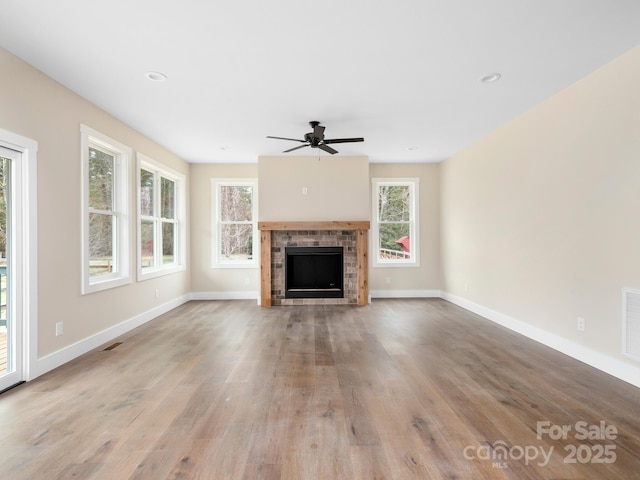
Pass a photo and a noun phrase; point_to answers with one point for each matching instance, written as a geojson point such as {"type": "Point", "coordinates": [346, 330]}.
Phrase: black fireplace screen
{"type": "Point", "coordinates": [314, 272]}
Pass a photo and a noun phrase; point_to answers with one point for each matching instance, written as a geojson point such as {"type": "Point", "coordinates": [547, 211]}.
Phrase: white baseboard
{"type": "Point", "coordinates": [612, 366]}
{"type": "Point", "coordinates": [239, 295]}
{"type": "Point", "coordinates": [60, 357]}
{"type": "Point", "coordinates": [405, 293]}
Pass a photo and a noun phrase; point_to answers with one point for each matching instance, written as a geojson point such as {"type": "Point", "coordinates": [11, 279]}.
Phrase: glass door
{"type": "Point", "coordinates": [10, 328]}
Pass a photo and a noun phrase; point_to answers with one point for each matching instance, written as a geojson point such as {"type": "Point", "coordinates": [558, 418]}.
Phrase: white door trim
{"type": "Point", "coordinates": [26, 228]}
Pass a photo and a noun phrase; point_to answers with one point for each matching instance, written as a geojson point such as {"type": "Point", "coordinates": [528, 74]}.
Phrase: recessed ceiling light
{"type": "Point", "coordinates": [411, 149]}
{"type": "Point", "coordinates": [156, 76]}
{"type": "Point", "coordinates": [492, 77]}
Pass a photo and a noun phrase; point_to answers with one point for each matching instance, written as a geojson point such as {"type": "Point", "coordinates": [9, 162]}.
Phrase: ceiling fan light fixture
{"type": "Point", "coordinates": [156, 76]}
{"type": "Point", "coordinates": [492, 77]}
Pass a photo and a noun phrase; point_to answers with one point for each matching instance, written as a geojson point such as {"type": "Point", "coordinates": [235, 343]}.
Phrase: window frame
{"type": "Point", "coordinates": [160, 171]}
{"type": "Point", "coordinates": [121, 249]}
{"type": "Point", "coordinates": [414, 222]}
{"type": "Point", "coordinates": [216, 223]}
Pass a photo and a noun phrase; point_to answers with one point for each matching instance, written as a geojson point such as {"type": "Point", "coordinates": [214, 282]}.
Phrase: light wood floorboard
{"type": "Point", "coordinates": [3, 350]}
{"type": "Point", "coordinates": [399, 389]}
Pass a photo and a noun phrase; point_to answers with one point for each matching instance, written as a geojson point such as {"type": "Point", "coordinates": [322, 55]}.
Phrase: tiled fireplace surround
{"type": "Point", "coordinates": [275, 236]}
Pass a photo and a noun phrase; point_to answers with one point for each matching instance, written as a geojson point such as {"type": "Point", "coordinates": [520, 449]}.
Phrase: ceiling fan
{"type": "Point", "coordinates": [316, 139]}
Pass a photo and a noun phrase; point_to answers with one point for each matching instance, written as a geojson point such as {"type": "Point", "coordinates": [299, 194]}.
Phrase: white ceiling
{"type": "Point", "coordinates": [403, 74]}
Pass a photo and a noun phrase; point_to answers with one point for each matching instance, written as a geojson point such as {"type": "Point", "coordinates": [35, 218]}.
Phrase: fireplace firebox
{"type": "Point", "coordinates": [314, 272]}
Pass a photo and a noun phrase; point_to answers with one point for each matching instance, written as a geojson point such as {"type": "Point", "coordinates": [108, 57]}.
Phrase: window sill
{"type": "Point", "coordinates": [105, 284]}
{"type": "Point", "coordinates": [251, 264]}
{"type": "Point", "coordinates": [159, 272]}
{"type": "Point", "coordinates": [395, 264]}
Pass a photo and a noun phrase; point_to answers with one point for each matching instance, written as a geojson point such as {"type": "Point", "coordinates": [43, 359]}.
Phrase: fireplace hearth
{"type": "Point", "coordinates": [314, 272]}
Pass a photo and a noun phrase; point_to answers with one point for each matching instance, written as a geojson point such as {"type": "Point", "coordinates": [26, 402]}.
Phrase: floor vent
{"type": "Point", "coordinates": [631, 327]}
{"type": "Point", "coordinates": [111, 347]}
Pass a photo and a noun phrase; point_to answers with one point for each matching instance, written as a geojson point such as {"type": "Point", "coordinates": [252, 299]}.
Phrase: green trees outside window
{"type": "Point", "coordinates": [158, 220]}
{"type": "Point", "coordinates": [395, 225]}
{"type": "Point", "coordinates": [102, 224]}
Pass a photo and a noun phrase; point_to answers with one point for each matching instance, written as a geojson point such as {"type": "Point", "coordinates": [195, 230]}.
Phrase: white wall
{"type": "Point", "coordinates": [540, 218]}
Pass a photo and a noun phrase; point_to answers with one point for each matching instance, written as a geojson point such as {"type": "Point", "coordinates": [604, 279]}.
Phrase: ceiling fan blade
{"type": "Point", "coordinates": [285, 138]}
{"type": "Point", "coordinates": [344, 140]}
{"type": "Point", "coordinates": [295, 148]}
{"type": "Point", "coordinates": [327, 148]}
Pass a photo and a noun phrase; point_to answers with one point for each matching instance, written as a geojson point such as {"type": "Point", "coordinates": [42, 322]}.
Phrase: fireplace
{"type": "Point", "coordinates": [314, 272]}
{"type": "Point", "coordinates": [276, 237]}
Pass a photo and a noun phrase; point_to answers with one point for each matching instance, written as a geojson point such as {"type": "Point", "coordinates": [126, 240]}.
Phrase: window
{"type": "Point", "coordinates": [105, 187]}
{"type": "Point", "coordinates": [160, 226]}
{"type": "Point", "coordinates": [235, 237]}
{"type": "Point", "coordinates": [395, 222]}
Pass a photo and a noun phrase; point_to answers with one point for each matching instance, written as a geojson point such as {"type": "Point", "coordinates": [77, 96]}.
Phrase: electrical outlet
{"type": "Point", "coordinates": [59, 329]}
{"type": "Point", "coordinates": [305, 191]}
{"type": "Point", "coordinates": [157, 293]}
{"type": "Point", "coordinates": [581, 324]}
{"type": "Point", "coordinates": [247, 281]}
{"type": "Point", "coordinates": [388, 280]}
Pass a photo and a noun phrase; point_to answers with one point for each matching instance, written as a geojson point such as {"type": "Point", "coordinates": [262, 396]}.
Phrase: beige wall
{"type": "Point", "coordinates": [540, 218]}
{"type": "Point", "coordinates": [205, 278]}
{"type": "Point", "coordinates": [34, 106]}
{"type": "Point", "coordinates": [339, 189]}
{"type": "Point", "coordinates": [331, 196]}
{"type": "Point", "coordinates": [337, 186]}
{"type": "Point", "coordinates": [425, 279]}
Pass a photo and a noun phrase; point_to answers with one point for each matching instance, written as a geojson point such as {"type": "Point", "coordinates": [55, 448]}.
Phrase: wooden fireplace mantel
{"type": "Point", "coordinates": [330, 225]}
{"type": "Point", "coordinates": [361, 227]}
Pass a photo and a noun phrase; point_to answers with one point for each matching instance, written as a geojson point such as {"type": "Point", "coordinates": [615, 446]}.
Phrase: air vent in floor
{"type": "Point", "coordinates": [111, 347]}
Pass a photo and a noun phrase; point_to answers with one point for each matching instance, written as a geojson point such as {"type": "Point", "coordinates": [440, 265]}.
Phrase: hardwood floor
{"type": "Point", "coordinates": [3, 350]}
{"type": "Point", "coordinates": [398, 389]}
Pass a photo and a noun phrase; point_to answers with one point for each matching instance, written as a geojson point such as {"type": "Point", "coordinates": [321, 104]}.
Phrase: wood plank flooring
{"type": "Point", "coordinates": [399, 389]}
{"type": "Point", "coordinates": [3, 350]}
